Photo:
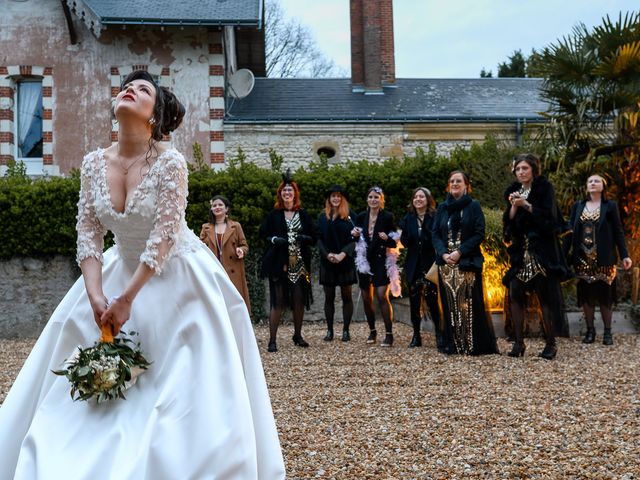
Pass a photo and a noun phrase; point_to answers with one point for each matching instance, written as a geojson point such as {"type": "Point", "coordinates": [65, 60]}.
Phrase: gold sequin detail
{"type": "Point", "coordinates": [296, 267]}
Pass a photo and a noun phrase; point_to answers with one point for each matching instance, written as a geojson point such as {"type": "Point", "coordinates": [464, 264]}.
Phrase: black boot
{"type": "Point", "coordinates": [388, 340]}
{"type": "Point", "coordinates": [372, 336]}
{"type": "Point", "coordinates": [329, 336]}
{"type": "Point", "coordinates": [549, 352]}
{"type": "Point", "coordinates": [517, 350]}
{"type": "Point", "coordinates": [345, 336]}
{"type": "Point", "coordinates": [272, 347]}
{"type": "Point", "coordinates": [298, 341]}
{"type": "Point", "coordinates": [416, 341]}
{"type": "Point", "coordinates": [590, 336]}
{"type": "Point", "coordinates": [607, 338]}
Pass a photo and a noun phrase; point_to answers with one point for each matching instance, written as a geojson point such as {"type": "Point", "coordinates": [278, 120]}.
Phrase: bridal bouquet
{"type": "Point", "coordinates": [105, 370]}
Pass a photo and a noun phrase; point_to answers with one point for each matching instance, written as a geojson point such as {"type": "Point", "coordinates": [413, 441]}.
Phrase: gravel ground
{"type": "Point", "coordinates": [354, 411]}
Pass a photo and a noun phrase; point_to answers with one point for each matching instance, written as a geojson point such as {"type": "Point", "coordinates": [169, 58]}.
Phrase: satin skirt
{"type": "Point", "coordinates": [201, 411]}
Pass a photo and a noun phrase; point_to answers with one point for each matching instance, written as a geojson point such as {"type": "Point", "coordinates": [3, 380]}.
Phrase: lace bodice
{"type": "Point", "coordinates": [152, 227]}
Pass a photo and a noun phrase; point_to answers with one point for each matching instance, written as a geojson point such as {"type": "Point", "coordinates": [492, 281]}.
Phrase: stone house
{"type": "Point", "coordinates": [61, 64]}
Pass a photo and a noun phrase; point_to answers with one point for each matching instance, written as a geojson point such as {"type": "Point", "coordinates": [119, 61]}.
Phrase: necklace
{"type": "Point", "coordinates": [126, 169]}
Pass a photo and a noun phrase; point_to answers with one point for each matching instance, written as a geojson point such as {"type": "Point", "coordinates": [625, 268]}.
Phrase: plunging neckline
{"type": "Point", "coordinates": [128, 204]}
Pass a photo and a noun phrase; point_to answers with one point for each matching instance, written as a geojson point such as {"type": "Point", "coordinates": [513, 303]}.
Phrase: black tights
{"type": "Point", "coordinates": [330, 306]}
{"type": "Point", "coordinates": [606, 311]}
{"type": "Point", "coordinates": [382, 293]}
{"type": "Point", "coordinates": [545, 289]}
{"type": "Point", "coordinates": [278, 302]}
{"type": "Point", "coordinates": [419, 293]}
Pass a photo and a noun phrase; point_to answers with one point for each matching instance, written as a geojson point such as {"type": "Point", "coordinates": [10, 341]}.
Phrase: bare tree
{"type": "Point", "coordinates": [291, 50]}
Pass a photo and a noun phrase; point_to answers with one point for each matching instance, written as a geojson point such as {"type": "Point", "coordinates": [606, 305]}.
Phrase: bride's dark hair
{"type": "Point", "coordinates": [168, 112]}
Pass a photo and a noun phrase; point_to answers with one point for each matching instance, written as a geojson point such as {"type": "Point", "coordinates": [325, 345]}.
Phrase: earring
{"type": "Point", "coordinates": [152, 121]}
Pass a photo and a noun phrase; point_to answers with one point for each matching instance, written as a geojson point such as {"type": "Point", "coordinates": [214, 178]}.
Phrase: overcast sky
{"type": "Point", "coordinates": [456, 38]}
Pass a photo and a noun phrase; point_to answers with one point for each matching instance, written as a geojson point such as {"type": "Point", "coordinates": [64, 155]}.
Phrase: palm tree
{"type": "Point", "coordinates": [592, 85]}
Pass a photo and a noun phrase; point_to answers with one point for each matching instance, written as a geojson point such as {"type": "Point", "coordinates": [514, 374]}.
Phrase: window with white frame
{"type": "Point", "coordinates": [28, 125]}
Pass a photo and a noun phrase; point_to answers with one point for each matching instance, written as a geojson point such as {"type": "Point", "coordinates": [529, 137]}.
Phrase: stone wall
{"type": "Point", "coordinates": [30, 290]}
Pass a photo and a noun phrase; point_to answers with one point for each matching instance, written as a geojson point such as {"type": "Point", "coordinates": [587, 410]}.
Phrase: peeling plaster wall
{"type": "Point", "coordinates": [35, 32]}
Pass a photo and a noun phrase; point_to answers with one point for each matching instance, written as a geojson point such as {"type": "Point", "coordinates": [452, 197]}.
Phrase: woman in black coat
{"type": "Point", "coordinates": [288, 231]}
{"type": "Point", "coordinates": [416, 238]}
{"type": "Point", "coordinates": [532, 224]}
{"type": "Point", "coordinates": [458, 230]}
{"type": "Point", "coordinates": [374, 231]}
{"type": "Point", "coordinates": [591, 248]}
{"type": "Point", "coordinates": [337, 249]}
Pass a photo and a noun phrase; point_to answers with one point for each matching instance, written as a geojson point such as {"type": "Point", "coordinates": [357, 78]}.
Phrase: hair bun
{"type": "Point", "coordinates": [173, 112]}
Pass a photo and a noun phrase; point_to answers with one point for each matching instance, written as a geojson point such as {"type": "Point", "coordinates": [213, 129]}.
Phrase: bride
{"type": "Point", "coordinates": [201, 410]}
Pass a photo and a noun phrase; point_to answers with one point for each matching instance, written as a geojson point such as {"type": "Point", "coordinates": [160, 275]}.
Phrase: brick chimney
{"type": "Point", "coordinates": [372, 54]}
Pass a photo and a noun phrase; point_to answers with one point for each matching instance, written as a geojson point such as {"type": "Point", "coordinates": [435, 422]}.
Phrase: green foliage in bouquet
{"type": "Point", "coordinates": [105, 370]}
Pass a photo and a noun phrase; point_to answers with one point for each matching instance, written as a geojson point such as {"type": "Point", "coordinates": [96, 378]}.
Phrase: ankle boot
{"type": "Point", "coordinates": [372, 336]}
{"type": "Point", "coordinates": [590, 336]}
{"type": "Point", "coordinates": [272, 347]}
{"type": "Point", "coordinates": [388, 340]}
{"type": "Point", "coordinates": [298, 341]}
{"type": "Point", "coordinates": [345, 336]}
{"type": "Point", "coordinates": [329, 336]}
{"type": "Point", "coordinates": [607, 338]}
{"type": "Point", "coordinates": [518, 349]}
{"type": "Point", "coordinates": [549, 352]}
{"type": "Point", "coordinates": [416, 341]}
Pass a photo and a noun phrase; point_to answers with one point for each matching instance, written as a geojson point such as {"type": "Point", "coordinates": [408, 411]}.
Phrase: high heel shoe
{"type": "Point", "coordinates": [329, 336]}
{"type": "Point", "coordinates": [517, 350]}
{"type": "Point", "coordinates": [298, 341]}
{"type": "Point", "coordinates": [549, 352]}
{"type": "Point", "coordinates": [416, 341]}
{"type": "Point", "coordinates": [388, 340]}
{"type": "Point", "coordinates": [346, 336]}
{"type": "Point", "coordinates": [590, 336]}
{"type": "Point", "coordinates": [272, 347]}
{"type": "Point", "coordinates": [372, 336]}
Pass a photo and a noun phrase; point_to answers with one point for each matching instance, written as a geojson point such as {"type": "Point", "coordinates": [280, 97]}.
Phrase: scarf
{"type": "Point", "coordinates": [454, 209]}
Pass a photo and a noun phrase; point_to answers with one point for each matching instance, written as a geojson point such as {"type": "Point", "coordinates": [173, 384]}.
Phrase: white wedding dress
{"type": "Point", "coordinates": [201, 411]}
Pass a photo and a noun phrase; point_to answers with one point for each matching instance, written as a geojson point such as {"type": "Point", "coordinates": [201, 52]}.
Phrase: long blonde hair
{"type": "Point", "coordinates": [343, 209]}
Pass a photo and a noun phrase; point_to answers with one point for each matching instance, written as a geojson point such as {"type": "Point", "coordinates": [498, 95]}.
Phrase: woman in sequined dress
{"type": "Point", "coordinates": [458, 230]}
{"type": "Point", "coordinates": [532, 223]}
{"type": "Point", "coordinates": [591, 248]}
{"type": "Point", "coordinates": [288, 231]}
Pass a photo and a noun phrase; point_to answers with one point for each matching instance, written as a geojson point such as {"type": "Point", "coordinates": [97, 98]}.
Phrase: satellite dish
{"type": "Point", "coordinates": [241, 83]}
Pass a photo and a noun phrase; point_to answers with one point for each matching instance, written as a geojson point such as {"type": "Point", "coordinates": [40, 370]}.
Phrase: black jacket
{"type": "Point", "coordinates": [376, 247]}
{"type": "Point", "coordinates": [334, 236]}
{"type": "Point", "coordinates": [542, 226]}
{"type": "Point", "coordinates": [472, 235]}
{"type": "Point", "coordinates": [420, 252]}
{"type": "Point", "coordinates": [609, 234]}
{"type": "Point", "coordinates": [276, 257]}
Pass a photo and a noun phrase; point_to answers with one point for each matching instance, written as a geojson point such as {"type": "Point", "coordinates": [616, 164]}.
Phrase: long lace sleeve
{"type": "Point", "coordinates": [169, 218]}
{"type": "Point", "coordinates": [90, 230]}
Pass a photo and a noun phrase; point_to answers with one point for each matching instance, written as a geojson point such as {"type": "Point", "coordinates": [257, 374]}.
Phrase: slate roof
{"type": "Point", "coordinates": [412, 100]}
{"type": "Point", "coordinates": [168, 12]}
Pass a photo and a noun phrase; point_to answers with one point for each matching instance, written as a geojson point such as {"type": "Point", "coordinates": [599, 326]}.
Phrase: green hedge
{"type": "Point", "coordinates": [38, 216]}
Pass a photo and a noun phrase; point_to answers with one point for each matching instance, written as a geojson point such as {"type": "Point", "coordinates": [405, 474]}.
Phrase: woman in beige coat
{"type": "Point", "coordinates": [226, 240]}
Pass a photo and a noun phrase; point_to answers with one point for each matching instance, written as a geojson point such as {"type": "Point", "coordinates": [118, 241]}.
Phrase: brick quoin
{"type": "Point", "coordinates": [216, 70]}
{"type": "Point", "coordinates": [47, 159]}
{"type": "Point", "coordinates": [165, 72]}
{"type": "Point", "coordinates": [48, 71]}
{"type": "Point", "coordinates": [217, 157]}
{"type": "Point", "coordinates": [6, 137]}
{"type": "Point", "coordinates": [6, 92]}
{"type": "Point", "coordinates": [215, 48]}
{"type": "Point", "coordinates": [6, 115]}
{"type": "Point", "coordinates": [114, 136]}
{"type": "Point", "coordinates": [47, 114]}
{"type": "Point", "coordinates": [216, 136]}
{"type": "Point", "coordinates": [25, 69]}
{"type": "Point", "coordinates": [4, 159]}
{"type": "Point", "coordinates": [47, 92]}
{"type": "Point", "coordinates": [47, 136]}
{"type": "Point", "coordinates": [140, 67]}
{"type": "Point", "coordinates": [216, 113]}
{"type": "Point", "coordinates": [216, 92]}
{"type": "Point", "coordinates": [115, 91]}
{"type": "Point", "coordinates": [4, 71]}
{"type": "Point", "coordinates": [115, 71]}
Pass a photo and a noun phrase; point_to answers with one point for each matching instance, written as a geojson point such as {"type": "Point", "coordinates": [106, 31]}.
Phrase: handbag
{"type": "Point", "coordinates": [432, 274]}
